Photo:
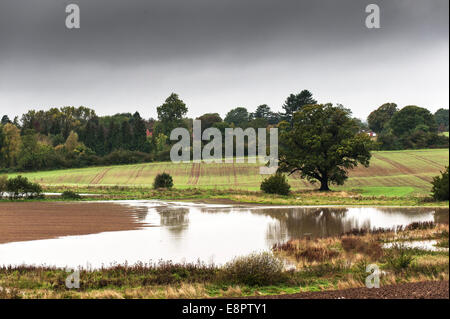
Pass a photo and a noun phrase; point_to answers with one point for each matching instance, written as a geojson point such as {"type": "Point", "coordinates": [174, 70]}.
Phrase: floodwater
{"type": "Point", "coordinates": [187, 232]}
{"type": "Point", "coordinates": [429, 245]}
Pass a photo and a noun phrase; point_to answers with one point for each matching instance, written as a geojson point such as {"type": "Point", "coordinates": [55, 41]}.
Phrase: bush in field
{"type": "Point", "coordinates": [21, 186]}
{"type": "Point", "coordinates": [70, 195]}
{"type": "Point", "coordinates": [440, 186]}
{"type": "Point", "coordinates": [276, 184]}
{"type": "Point", "coordinates": [399, 257]}
{"type": "Point", "coordinates": [163, 180]}
{"type": "Point", "coordinates": [255, 270]}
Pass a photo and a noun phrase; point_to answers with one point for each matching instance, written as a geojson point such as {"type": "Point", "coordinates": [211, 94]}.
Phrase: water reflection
{"type": "Point", "coordinates": [297, 223]}
{"type": "Point", "coordinates": [141, 215]}
{"type": "Point", "coordinates": [188, 232]}
{"type": "Point", "coordinates": [175, 218]}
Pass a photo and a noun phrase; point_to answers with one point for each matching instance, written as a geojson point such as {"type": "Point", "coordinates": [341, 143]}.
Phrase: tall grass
{"type": "Point", "coordinates": [399, 257]}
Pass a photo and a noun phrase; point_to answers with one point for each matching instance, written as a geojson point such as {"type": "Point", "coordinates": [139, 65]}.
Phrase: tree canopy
{"type": "Point", "coordinates": [238, 116]}
{"type": "Point", "coordinates": [410, 118]}
{"type": "Point", "coordinates": [171, 113]}
{"type": "Point", "coordinates": [265, 113]}
{"type": "Point", "coordinates": [10, 146]}
{"type": "Point", "coordinates": [295, 102]}
{"type": "Point", "coordinates": [5, 120]}
{"type": "Point", "coordinates": [411, 127]}
{"type": "Point", "coordinates": [209, 119]}
{"type": "Point", "coordinates": [77, 137]}
{"type": "Point", "coordinates": [322, 144]}
{"type": "Point", "coordinates": [379, 118]}
{"type": "Point", "coordinates": [441, 118]}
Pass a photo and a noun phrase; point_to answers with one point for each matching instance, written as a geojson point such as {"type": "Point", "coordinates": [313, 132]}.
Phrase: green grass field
{"type": "Point", "coordinates": [391, 173]}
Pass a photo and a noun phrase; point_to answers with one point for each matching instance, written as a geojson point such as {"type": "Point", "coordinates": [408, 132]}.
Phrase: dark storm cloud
{"type": "Point", "coordinates": [148, 48]}
{"type": "Point", "coordinates": [135, 31]}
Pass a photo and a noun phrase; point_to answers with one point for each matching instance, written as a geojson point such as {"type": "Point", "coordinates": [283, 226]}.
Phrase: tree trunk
{"type": "Point", "coordinates": [324, 184]}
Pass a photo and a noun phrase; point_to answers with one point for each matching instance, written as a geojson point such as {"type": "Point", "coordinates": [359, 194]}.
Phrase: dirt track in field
{"type": "Point", "coordinates": [416, 290]}
{"type": "Point", "coordinates": [34, 220]}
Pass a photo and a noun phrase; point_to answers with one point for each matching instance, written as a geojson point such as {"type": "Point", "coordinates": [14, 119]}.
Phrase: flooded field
{"type": "Point", "coordinates": [180, 231]}
{"type": "Point", "coordinates": [23, 221]}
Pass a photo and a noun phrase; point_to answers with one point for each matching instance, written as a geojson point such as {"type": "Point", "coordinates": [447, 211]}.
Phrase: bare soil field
{"type": "Point", "coordinates": [416, 290]}
{"type": "Point", "coordinates": [41, 220]}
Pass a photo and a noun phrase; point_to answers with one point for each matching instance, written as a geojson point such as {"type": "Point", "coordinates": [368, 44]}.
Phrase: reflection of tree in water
{"type": "Point", "coordinates": [141, 213]}
{"type": "Point", "coordinates": [440, 214]}
{"type": "Point", "coordinates": [299, 222]}
{"type": "Point", "coordinates": [175, 218]}
{"type": "Point", "coordinates": [320, 222]}
{"type": "Point", "coordinates": [219, 210]}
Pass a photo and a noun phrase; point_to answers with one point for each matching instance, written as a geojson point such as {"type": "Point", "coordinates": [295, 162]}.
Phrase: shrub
{"type": "Point", "coordinates": [440, 186]}
{"type": "Point", "coordinates": [21, 186]}
{"type": "Point", "coordinates": [257, 269]}
{"type": "Point", "coordinates": [163, 180]}
{"type": "Point", "coordinates": [70, 195]}
{"type": "Point", "coordinates": [399, 257]}
{"type": "Point", "coordinates": [360, 268]}
{"type": "Point", "coordinates": [276, 184]}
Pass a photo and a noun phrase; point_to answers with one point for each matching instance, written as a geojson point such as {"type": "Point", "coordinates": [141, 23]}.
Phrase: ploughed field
{"type": "Point", "coordinates": [33, 221]}
{"type": "Point", "coordinates": [391, 173]}
{"type": "Point", "coordinates": [414, 290]}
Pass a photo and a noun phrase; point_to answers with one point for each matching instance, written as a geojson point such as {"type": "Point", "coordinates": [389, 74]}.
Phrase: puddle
{"type": "Point", "coordinates": [429, 245]}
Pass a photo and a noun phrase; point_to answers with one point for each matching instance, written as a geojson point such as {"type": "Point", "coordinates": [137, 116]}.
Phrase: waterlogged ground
{"type": "Point", "coordinates": [178, 231]}
{"type": "Point", "coordinates": [24, 221]}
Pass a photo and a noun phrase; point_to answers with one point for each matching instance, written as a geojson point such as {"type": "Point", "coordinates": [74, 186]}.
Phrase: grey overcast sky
{"type": "Point", "coordinates": [220, 54]}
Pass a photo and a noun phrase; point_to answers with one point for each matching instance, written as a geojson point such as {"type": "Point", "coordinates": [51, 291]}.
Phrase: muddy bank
{"type": "Point", "coordinates": [417, 290]}
{"type": "Point", "coordinates": [41, 220]}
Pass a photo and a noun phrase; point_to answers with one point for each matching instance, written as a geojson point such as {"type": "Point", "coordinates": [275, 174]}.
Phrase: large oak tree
{"type": "Point", "coordinates": [323, 144]}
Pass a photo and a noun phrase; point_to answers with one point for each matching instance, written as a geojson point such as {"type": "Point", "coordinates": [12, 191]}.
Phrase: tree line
{"type": "Point", "coordinates": [77, 137]}
{"type": "Point", "coordinates": [411, 127]}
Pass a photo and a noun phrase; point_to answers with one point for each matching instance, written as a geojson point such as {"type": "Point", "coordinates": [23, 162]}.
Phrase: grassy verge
{"type": "Point", "coordinates": [316, 264]}
{"type": "Point", "coordinates": [230, 196]}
